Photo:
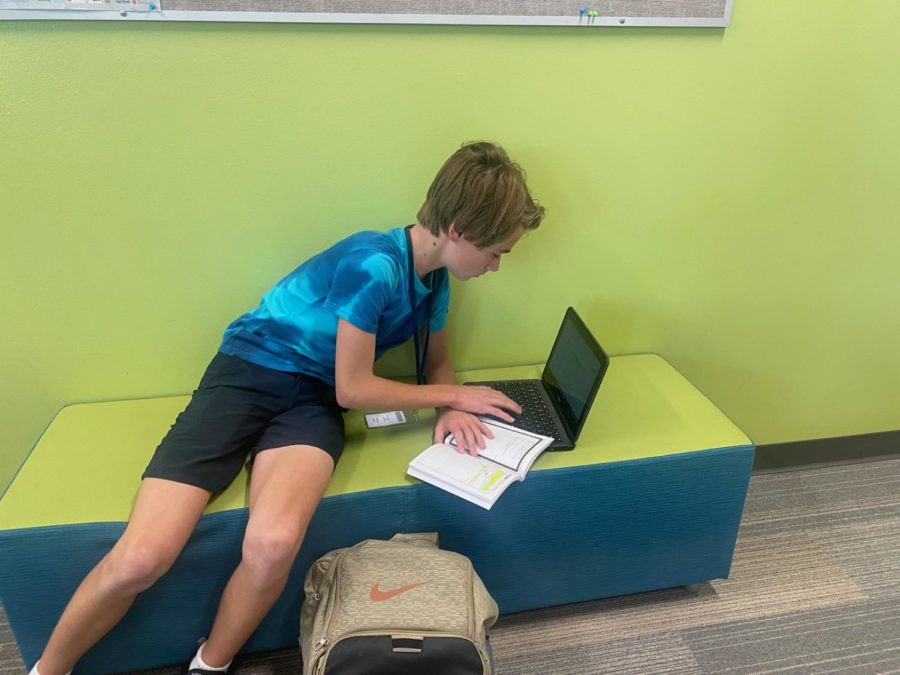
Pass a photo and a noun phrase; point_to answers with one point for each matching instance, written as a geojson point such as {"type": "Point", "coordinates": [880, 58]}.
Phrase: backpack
{"type": "Point", "coordinates": [394, 607]}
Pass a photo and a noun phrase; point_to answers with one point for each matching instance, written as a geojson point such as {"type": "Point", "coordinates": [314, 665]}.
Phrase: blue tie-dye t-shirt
{"type": "Point", "coordinates": [364, 280]}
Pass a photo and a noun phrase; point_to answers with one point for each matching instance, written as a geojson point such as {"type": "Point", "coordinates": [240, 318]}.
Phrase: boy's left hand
{"type": "Point", "coordinates": [468, 430]}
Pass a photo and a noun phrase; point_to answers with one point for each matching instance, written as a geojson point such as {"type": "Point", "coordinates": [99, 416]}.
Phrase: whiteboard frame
{"type": "Point", "coordinates": [359, 18]}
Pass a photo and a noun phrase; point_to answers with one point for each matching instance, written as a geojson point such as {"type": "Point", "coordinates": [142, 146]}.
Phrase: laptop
{"type": "Point", "coordinates": [558, 404]}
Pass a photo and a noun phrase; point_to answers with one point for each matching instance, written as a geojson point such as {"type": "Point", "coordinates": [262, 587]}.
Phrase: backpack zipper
{"type": "Point", "coordinates": [330, 610]}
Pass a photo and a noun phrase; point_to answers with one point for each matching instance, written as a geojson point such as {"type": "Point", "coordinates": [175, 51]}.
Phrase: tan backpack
{"type": "Point", "coordinates": [395, 607]}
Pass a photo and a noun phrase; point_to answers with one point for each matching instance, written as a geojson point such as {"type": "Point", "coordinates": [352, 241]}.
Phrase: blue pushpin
{"type": "Point", "coordinates": [152, 6]}
{"type": "Point", "coordinates": [581, 13]}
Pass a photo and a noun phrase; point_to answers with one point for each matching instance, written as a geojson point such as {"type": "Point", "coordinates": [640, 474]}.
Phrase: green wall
{"type": "Point", "coordinates": [726, 198]}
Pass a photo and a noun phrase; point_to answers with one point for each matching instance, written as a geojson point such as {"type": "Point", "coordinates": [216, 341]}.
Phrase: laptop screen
{"type": "Point", "coordinates": [574, 371]}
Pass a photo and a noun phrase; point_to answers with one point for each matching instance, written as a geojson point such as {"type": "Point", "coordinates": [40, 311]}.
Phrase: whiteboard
{"type": "Point", "coordinates": [582, 14]}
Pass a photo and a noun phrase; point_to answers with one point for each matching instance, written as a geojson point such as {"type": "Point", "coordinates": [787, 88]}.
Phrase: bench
{"type": "Point", "coordinates": [650, 499]}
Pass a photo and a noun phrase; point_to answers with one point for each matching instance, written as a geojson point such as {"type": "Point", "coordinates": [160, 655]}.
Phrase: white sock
{"type": "Point", "coordinates": [198, 662]}
{"type": "Point", "coordinates": [34, 671]}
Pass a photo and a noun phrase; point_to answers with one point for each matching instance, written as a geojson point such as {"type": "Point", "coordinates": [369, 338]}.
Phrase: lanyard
{"type": "Point", "coordinates": [420, 361]}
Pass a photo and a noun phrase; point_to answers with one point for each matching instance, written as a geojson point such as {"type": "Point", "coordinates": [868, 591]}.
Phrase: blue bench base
{"type": "Point", "coordinates": [563, 535]}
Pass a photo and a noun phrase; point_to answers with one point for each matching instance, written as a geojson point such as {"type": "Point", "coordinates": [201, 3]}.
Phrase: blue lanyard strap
{"type": "Point", "coordinates": [420, 361]}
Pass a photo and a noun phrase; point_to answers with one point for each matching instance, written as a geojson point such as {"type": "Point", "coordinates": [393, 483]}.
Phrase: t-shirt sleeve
{"type": "Point", "coordinates": [441, 304]}
{"type": "Point", "coordinates": [362, 285]}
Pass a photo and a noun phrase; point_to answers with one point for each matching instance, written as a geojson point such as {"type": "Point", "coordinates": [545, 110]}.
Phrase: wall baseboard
{"type": "Point", "coordinates": [827, 452]}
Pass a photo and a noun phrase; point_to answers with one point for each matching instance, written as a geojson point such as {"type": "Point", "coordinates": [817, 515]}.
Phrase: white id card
{"type": "Point", "coordinates": [388, 419]}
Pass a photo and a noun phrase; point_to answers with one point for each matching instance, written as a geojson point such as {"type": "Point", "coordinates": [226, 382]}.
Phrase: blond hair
{"type": "Point", "coordinates": [482, 192]}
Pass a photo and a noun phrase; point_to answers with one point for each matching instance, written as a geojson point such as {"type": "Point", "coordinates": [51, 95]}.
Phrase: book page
{"type": "Point", "coordinates": [445, 466]}
{"type": "Point", "coordinates": [516, 449]}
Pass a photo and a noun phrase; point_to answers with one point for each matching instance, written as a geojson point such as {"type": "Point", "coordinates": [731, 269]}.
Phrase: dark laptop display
{"type": "Point", "coordinates": [557, 405]}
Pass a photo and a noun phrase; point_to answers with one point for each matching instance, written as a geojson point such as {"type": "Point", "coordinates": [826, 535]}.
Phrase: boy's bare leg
{"type": "Point", "coordinates": [286, 485]}
{"type": "Point", "coordinates": [163, 518]}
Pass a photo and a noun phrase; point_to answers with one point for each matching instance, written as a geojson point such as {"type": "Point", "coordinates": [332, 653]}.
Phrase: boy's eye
{"type": "Point", "coordinates": [496, 255]}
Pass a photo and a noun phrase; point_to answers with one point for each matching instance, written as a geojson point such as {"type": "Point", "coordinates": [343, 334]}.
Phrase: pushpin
{"type": "Point", "coordinates": [581, 13]}
{"type": "Point", "coordinates": [152, 6]}
{"type": "Point", "coordinates": [593, 15]}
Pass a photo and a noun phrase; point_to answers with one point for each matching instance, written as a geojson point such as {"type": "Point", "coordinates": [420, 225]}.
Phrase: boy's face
{"type": "Point", "coordinates": [466, 261]}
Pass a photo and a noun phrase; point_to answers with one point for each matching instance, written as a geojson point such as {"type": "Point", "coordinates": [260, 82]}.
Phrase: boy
{"type": "Point", "coordinates": [277, 387]}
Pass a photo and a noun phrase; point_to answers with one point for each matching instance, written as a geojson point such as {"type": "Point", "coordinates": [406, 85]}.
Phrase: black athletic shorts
{"type": "Point", "coordinates": [240, 408]}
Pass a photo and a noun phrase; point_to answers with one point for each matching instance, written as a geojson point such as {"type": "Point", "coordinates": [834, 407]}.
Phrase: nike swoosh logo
{"type": "Point", "coordinates": [378, 595]}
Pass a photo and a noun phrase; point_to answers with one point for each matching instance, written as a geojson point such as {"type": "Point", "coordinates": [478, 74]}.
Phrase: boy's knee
{"type": "Point", "coordinates": [135, 568]}
{"type": "Point", "coordinates": [271, 552]}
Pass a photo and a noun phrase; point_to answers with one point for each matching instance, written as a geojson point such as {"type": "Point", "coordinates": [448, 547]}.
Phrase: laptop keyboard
{"type": "Point", "coordinates": [535, 416]}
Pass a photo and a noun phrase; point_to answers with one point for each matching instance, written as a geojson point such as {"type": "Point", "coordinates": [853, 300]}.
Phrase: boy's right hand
{"type": "Point", "coordinates": [481, 400]}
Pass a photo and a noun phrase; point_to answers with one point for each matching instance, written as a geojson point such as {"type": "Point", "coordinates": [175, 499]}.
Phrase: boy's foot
{"type": "Point", "coordinates": [187, 670]}
{"type": "Point", "coordinates": [198, 666]}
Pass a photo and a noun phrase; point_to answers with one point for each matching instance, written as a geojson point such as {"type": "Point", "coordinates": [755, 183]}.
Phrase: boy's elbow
{"type": "Point", "coordinates": [344, 397]}
{"type": "Point", "coordinates": [348, 393]}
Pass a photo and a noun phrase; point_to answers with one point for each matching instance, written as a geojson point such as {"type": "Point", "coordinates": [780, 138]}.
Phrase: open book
{"type": "Point", "coordinates": [481, 480]}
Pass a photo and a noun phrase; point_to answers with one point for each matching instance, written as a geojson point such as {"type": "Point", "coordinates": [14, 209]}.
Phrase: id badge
{"type": "Point", "coordinates": [390, 418]}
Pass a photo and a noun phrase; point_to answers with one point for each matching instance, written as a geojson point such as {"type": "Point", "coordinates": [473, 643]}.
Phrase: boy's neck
{"type": "Point", "coordinates": [427, 250]}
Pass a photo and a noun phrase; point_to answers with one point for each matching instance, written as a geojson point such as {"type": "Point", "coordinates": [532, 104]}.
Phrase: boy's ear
{"type": "Point", "coordinates": [453, 234]}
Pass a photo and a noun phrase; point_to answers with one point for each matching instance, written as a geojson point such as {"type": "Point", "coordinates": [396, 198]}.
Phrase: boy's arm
{"type": "Point", "coordinates": [438, 368]}
{"type": "Point", "coordinates": [358, 387]}
{"type": "Point", "coordinates": [464, 426]}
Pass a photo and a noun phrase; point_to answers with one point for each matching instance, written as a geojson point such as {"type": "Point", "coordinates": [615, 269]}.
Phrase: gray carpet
{"type": "Point", "coordinates": [815, 588]}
